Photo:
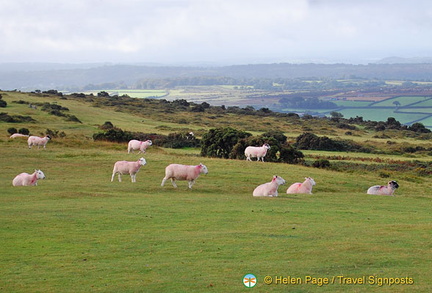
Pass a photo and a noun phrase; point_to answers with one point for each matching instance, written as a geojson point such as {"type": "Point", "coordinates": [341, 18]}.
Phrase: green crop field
{"type": "Point", "coordinates": [78, 232]}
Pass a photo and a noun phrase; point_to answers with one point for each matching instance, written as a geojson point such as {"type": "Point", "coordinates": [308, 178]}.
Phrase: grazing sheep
{"type": "Point", "coordinates": [26, 179]}
{"type": "Point", "coordinates": [269, 189]}
{"type": "Point", "coordinates": [305, 187]}
{"type": "Point", "coordinates": [38, 141]}
{"type": "Point", "coordinates": [125, 167]}
{"type": "Point", "coordinates": [384, 190]}
{"type": "Point", "coordinates": [15, 135]}
{"type": "Point", "coordinates": [258, 152]}
{"type": "Point", "coordinates": [134, 145]}
{"type": "Point", "coordinates": [183, 172]}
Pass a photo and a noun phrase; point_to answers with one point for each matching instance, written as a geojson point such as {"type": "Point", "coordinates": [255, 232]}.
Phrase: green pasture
{"type": "Point", "coordinates": [348, 103]}
{"type": "Point", "coordinates": [424, 103]}
{"type": "Point", "coordinates": [381, 114]}
{"type": "Point", "coordinates": [79, 232]}
{"type": "Point", "coordinates": [404, 100]}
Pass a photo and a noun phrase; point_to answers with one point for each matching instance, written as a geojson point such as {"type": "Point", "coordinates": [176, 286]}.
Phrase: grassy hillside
{"type": "Point", "coordinates": [78, 232]}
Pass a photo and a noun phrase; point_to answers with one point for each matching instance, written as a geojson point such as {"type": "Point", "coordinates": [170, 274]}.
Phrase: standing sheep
{"type": "Point", "coordinates": [258, 152]}
{"type": "Point", "coordinates": [305, 187]}
{"type": "Point", "coordinates": [384, 190]}
{"type": "Point", "coordinates": [38, 141]}
{"type": "Point", "coordinates": [183, 172]}
{"type": "Point", "coordinates": [125, 167]}
{"type": "Point", "coordinates": [269, 189]}
{"type": "Point", "coordinates": [26, 179]}
{"type": "Point", "coordinates": [134, 145]}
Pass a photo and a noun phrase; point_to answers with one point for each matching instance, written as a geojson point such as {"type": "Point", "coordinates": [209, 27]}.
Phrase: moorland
{"type": "Point", "coordinates": [78, 232]}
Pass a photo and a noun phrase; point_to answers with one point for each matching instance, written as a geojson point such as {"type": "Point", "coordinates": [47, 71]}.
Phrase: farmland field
{"type": "Point", "coordinates": [78, 232]}
{"type": "Point", "coordinates": [411, 108]}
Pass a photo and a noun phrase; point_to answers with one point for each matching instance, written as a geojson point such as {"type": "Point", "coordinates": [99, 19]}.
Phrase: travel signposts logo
{"type": "Point", "coordinates": [249, 280]}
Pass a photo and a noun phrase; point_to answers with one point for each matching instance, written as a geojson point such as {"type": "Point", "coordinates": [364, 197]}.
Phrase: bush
{"type": "Point", "coordinates": [310, 141]}
{"type": "Point", "coordinates": [15, 118]}
{"type": "Point", "coordinates": [12, 130]}
{"type": "Point", "coordinates": [220, 142]}
{"type": "Point", "coordinates": [280, 150]}
{"type": "Point", "coordinates": [114, 135]}
{"type": "Point", "coordinates": [321, 163]}
{"type": "Point", "coordinates": [24, 131]}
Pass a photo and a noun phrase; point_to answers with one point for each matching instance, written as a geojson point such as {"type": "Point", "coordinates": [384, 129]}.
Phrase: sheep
{"type": "Point", "coordinates": [15, 135]}
{"type": "Point", "coordinates": [269, 189]}
{"type": "Point", "coordinates": [258, 152]}
{"type": "Point", "coordinates": [384, 190]}
{"type": "Point", "coordinates": [183, 172]}
{"type": "Point", "coordinates": [138, 145]}
{"type": "Point", "coordinates": [125, 167]}
{"type": "Point", "coordinates": [305, 187]}
{"type": "Point", "coordinates": [39, 141]}
{"type": "Point", "coordinates": [26, 179]}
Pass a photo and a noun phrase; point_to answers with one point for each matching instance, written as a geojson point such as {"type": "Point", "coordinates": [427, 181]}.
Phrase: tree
{"type": "Point", "coordinates": [335, 116]}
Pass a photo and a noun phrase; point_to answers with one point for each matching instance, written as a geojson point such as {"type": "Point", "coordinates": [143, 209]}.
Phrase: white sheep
{"type": "Point", "coordinates": [183, 172]}
{"type": "Point", "coordinates": [269, 189]}
{"type": "Point", "coordinates": [126, 167]}
{"type": "Point", "coordinates": [384, 190]}
{"type": "Point", "coordinates": [305, 187]}
{"type": "Point", "coordinates": [26, 179]}
{"type": "Point", "coordinates": [134, 145]}
{"type": "Point", "coordinates": [15, 135]}
{"type": "Point", "coordinates": [258, 152]}
{"type": "Point", "coordinates": [38, 141]}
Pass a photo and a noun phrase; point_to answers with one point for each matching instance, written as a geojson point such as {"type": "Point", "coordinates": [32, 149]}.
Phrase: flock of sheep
{"type": "Point", "coordinates": [190, 172]}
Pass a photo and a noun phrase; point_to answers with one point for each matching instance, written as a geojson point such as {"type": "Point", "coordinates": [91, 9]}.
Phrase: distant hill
{"type": "Point", "coordinates": [46, 76]}
{"type": "Point", "coordinates": [401, 60]}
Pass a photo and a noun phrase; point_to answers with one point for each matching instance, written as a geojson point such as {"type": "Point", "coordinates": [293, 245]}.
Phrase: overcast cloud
{"type": "Point", "coordinates": [228, 31]}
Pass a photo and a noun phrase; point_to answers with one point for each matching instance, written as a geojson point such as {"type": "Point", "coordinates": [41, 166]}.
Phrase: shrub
{"type": "Point", "coordinates": [220, 142]}
{"type": "Point", "coordinates": [321, 163]}
{"type": "Point", "coordinates": [24, 131]}
{"type": "Point", "coordinates": [12, 130]}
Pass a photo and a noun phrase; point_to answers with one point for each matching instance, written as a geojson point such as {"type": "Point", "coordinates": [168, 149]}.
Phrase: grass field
{"type": "Point", "coordinates": [78, 232]}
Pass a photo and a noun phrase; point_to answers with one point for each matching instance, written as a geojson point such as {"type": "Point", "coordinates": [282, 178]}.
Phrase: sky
{"type": "Point", "coordinates": [214, 31]}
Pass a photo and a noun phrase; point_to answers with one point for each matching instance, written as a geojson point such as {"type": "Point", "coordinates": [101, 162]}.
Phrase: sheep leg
{"type": "Point", "coordinates": [163, 181]}
{"type": "Point", "coordinates": [248, 158]}
{"type": "Point", "coordinates": [173, 182]}
{"type": "Point", "coordinates": [133, 178]}
{"type": "Point", "coordinates": [119, 177]}
{"type": "Point", "coordinates": [191, 182]}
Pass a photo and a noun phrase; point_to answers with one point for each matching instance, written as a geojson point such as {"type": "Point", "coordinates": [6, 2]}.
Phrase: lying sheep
{"type": "Point", "coordinates": [183, 172]}
{"type": "Point", "coordinates": [26, 179]}
{"type": "Point", "coordinates": [269, 189]}
{"type": "Point", "coordinates": [258, 152]}
{"type": "Point", "coordinates": [125, 167]}
{"type": "Point", "coordinates": [141, 146]}
{"type": "Point", "coordinates": [384, 190]}
{"type": "Point", "coordinates": [15, 135]}
{"type": "Point", "coordinates": [38, 141]}
{"type": "Point", "coordinates": [305, 187]}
